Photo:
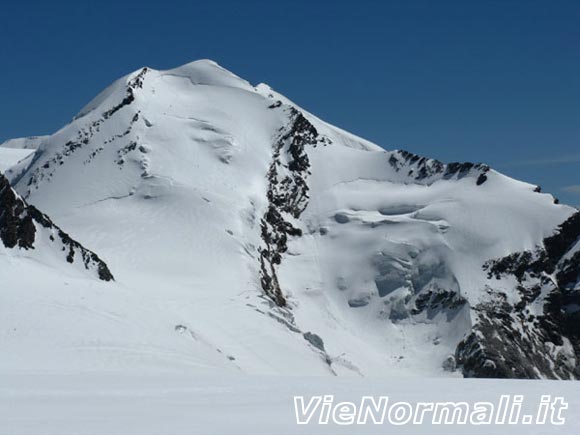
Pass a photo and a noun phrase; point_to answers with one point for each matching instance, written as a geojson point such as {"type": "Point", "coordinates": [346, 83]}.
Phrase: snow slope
{"type": "Point", "coordinates": [248, 236]}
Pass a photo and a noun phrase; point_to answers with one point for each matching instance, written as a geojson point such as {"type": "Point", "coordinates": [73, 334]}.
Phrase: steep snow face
{"type": "Point", "coordinates": [264, 240]}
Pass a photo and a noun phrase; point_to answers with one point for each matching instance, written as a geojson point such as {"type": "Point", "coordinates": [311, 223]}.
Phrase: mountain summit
{"type": "Point", "coordinates": [248, 235]}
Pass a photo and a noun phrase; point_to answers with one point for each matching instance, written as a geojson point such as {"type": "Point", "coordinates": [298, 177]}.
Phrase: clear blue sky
{"type": "Point", "coordinates": [492, 81]}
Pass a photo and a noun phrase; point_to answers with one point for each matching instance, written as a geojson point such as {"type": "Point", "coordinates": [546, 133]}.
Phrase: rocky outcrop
{"type": "Point", "coordinates": [135, 83]}
{"type": "Point", "coordinates": [428, 170]}
{"type": "Point", "coordinates": [21, 223]}
{"type": "Point", "coordinates": [287, 198]}
{"type": "Point", "coordinates": [539, 335]}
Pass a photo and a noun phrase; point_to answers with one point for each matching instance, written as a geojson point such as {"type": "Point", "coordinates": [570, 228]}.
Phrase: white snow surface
{"type": "Point", "coordinates": [169, 191]}
{"type": "Point", "coordinates": [11, 157]}
{"type": "Point", "coordinates": [145, 404]}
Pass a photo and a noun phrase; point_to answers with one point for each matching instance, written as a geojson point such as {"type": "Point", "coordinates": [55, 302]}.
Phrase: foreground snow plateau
{"type": "Point", "coordinates": [106, 403]}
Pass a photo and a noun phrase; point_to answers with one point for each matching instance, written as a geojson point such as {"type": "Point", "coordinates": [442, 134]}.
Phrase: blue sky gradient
{"type": "Point", "coordinates": [490, 81]}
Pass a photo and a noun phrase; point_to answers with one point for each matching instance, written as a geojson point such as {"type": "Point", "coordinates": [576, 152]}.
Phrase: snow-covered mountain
{"type": "Point", "coordinates": [247, 235]}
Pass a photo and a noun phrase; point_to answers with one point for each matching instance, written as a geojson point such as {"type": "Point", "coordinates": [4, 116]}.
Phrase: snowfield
{"type": "Point", "coordinates": [248, 237]}
{"type": "Point", "coordinates": [141, 404]}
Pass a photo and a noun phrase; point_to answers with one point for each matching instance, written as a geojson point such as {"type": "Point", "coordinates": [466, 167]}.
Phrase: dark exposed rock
{"type": "Point", "coordinates": [18, 229]}
{"type": "Point", "coordinates": [544, 259]}
{"type": "Point", "coordinates": [449, 364]}
{"type": "Point", "coordinates": [287, 196]}
{"type": "Point", "coordinates": [16, 226]}
{"type": "Point", "coordinates": [508, 343]}
{"type": "Point", "coordinates": [520, 340]}
{"type": "Point", "coordinates": [424, 169]}
{"type": "Point", "coordinates": [434, 301]}
{"type": "Point", "coordinates": [135, 83]}
{"type": "Point", "coordinates": [481, 179]}
{"type": "Point", "coordinates": [131, 146]}
{"type": "Point", "coordinates": [314, 340]}
{"type": "Point", "coordinates": [569, 272]}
